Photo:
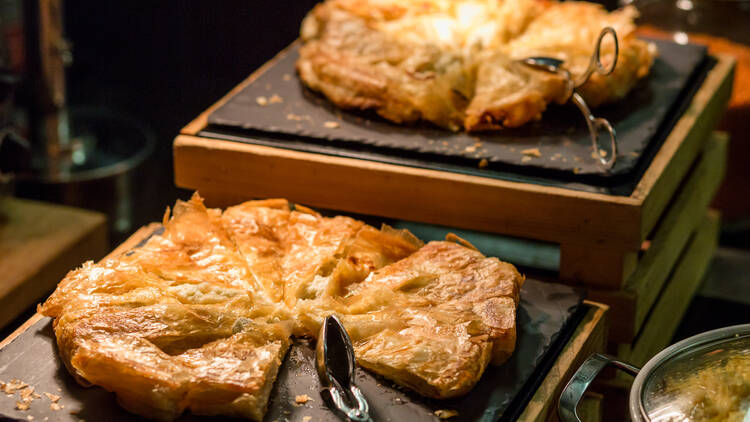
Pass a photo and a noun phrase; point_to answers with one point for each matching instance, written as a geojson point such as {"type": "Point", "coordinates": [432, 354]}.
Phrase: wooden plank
{"type": "Point", "coordinates": [670, 165]}
{"type": "Point", "coordinates": [457, 200]}
{"type": "Point", "coordinates": [588, 338]}
{"type": "Point", "coordinates": [664, 319]}
{"type": "Point", "coordinates": [201, 121]}
{"type": "Point", "coordinates": [640, 291]}
{"type": "Point", "coordinates": [39, 243]}
{"type": "Point", "coordinates": [133, 240]}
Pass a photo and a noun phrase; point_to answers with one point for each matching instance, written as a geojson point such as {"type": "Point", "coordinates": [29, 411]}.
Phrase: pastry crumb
{"type": "Point", "coordinates": [27, 394]}
{"type": "Point", "coordinates": [55, 406]}
{"type": "Point", "coordinates": [470, 148]}
{"type": "Point", "coordinates": [297, 117]}
{"type": "Point", "coordinates": [531, 152]}
{"type": "Point", "coordinates": [576, 170]}
{"type": "Point", "coordinates": [302, 399]}
{"type": "Point", "coordinates": [54, 398]}
{"type": "Point", "coordinates": [287, 77]}
{"type": "Point", "coordinates": [603, 152]}
{"type": "Point", "coordinates": [261, 100]}
{"type": "Point", "coordinates": [306, 418]}
{"type": "Point", "coordinates": [22, 405]}
{"type": "Point", "coordinates": [14, 385]}
{"type": "Point", "coordinates": [446, 413]}
{"type": "Point", "coordinates": [525, 159]}
{"type": "Point", "coordinates": [331, 124]}
{"type": "Point", "coordinates": [483, 163]}
{"type": "Point", "coordinates": [275, 99]}
{"type": "Point", "coordinates": [29, 418]}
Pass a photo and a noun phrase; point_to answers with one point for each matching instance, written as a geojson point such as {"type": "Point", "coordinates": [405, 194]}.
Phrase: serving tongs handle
{"type": "Point", "coordinates": [594, 124]}
{"type": "Point", "coordinates": [334, 358]}
{"type": "Point", "coordinates": [579, 383]}
{"type": "Point", "coordinates": [595, 63]}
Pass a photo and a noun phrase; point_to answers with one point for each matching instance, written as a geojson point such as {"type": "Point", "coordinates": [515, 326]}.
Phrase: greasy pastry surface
{"type": "Point", "coordinates": [200, 317]}
{"type": "Point", "coordinates": [454, 63]}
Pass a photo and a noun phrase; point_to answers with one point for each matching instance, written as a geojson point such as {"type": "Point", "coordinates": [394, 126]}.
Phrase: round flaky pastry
{"type": "Point", "coordinates": [455, 63]}
{"type": "Point", "coordinates": [200, 317]}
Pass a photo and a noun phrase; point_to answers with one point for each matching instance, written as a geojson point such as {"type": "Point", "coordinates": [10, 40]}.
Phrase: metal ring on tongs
{"type": "Point", "coordinates": [594, 124]}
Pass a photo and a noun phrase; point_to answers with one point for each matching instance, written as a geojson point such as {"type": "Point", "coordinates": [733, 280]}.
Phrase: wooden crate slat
{"type": "Point", "coordinates": [670, 166]}
{"type": "Point", "coordinates": [588, 338]}
{"type": "Point", "coordinates": [665, 317]}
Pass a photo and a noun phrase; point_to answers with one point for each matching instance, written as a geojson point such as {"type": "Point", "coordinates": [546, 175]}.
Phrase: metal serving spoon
{"type": "Point", "coordinates": [595, 124]}
{"type": "Point", "coordinates": [334, 360]}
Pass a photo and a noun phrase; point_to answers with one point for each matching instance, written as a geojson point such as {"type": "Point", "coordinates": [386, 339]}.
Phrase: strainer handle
{"type": "Point", "coordinates": [579, 383]}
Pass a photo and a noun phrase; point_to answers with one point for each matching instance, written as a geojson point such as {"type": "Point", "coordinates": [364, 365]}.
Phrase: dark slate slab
{"type": "Point", "coordinates": [547, 316]}
{"type": "Point", "coordinates": [642, 121]}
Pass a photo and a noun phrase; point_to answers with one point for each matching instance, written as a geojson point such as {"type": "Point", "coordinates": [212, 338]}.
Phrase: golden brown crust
{"type": "Point", "coordinates": [454, 63]}
{"type": "Point", "coordinates": [200, 317]}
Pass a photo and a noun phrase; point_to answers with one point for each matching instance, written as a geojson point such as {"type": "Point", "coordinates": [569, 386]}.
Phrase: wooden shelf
{"type": "Point", "coordinates": [39, 244]}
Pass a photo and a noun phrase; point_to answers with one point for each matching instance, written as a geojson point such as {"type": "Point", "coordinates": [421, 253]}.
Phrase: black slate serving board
{"type": "Point", "coordinates": [547, 316]}
{"type": "Point", "coordinates": [642, 121]}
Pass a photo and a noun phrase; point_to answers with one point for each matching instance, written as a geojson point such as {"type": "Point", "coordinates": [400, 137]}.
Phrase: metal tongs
{"type": "Point", "coordinates": [595, 124]}
{"type": "Point", "coordinates": [334, 358]}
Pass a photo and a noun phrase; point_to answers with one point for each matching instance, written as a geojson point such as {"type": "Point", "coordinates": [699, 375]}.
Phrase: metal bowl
{"type": "Point", "coordinates": [704, 377]}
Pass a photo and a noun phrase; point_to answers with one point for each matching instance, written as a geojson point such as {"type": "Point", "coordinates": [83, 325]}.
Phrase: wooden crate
{"type": "Point", "coordinates": [589, 337]}
{"type": "Point", "coordinates": [600, 235]}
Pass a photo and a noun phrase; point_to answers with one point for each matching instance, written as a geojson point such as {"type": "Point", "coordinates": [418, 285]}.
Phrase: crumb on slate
{"type": "Point", "coordinates": [302, 399]}
{"type": "Point", "coordinates": [532, 152]}
{"type": "Point", "coordinates": [261, 100]}
{"type": "Point", "coordinates": [445, 413]}
{"type": "Point", "coordinates": [331, 124]}
{"type": "Point", "coordinates": [275, 99]}
{"type": "Point", "coordinates": [54, 398]}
